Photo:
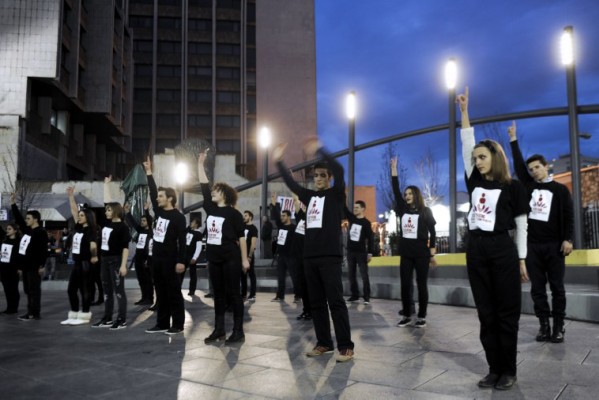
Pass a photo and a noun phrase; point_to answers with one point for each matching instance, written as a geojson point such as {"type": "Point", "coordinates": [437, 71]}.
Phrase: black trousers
{"type": "Point", "coordinates": [244, 281]}
{"type": "Point", "coordinates": [225, 276]}
{"type": "Point", "coordinates": [406, 273]}
{"type": "Point", "coordinates": [494, 275]}
{"type": "Point", "coordinates": [358, 260]}
{"type": "Point", "coordinates": [114, 284]}
{"type": "Point", "coordinates": [193, 277]}
{"type": "Point", "coordinates": [32, 286]}
{"type": "Point", "coordinates": [80, 282]}
{"type": "Point", "coordinates": [96, 280]}
{"type": "Point", "coordinates": [323, 276]}
{"type": "Point", "coordinates": [10, 282]}
{"type": "Point", "coordinates": [168, 293]}
{"type": "Point", "coordinates": [144, 277]}
{"type": "Point", "coordinates": [546, 263]}
{"type": "Point", "coordinates": [285, 263]}
{"type": "Point", "coordinates": [302, 286]}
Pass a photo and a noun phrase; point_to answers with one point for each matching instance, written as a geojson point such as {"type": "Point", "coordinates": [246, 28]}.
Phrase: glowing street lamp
{"type": "Point", "coordinates": [451, 77]}
{"type": "Point", "coordinates": [264, 140]}
{"type": "Point", "coordinates": [567, 53]}
{"type": "Point", "coordinates": [181, 176]}
{"type": "Point", "coordinates": [350, 111]}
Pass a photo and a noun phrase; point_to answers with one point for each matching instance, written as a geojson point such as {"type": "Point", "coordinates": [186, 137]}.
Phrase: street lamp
{"type": "Point", "coordinates": [181, 176]}
{"type": "Point", "coordinates": [264, 139]}
{"type": "Point", "coordinates": [451, 77]}
{"type": "Point", "coordinates": [350, 110]}
{"type": "Point", "coordinates": [567, 52]}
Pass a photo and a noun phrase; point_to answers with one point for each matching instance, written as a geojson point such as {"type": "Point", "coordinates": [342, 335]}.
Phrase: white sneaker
{"type": "Point", "coordinates": [72, 316]}
{"type": "Point", "coordinates": [82, 318]}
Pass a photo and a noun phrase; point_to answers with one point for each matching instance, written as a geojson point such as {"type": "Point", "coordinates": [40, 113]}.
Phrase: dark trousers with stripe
{"type": "Point", "coordinates": [546, 263]}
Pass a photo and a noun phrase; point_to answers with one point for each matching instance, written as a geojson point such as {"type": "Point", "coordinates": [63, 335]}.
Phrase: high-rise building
{"type": "Point", "coordinates": [65, 89]}
{"type": "Point", "coordinates": [218, 69]}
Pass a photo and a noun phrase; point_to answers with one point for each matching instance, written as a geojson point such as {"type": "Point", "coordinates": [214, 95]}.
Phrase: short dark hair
{"type": "Point", "coordinates": [229, 193]}
{"type": "Point", "coordinates": [148, 218]}
{"type": "Point", "coordinates": [169, 192]}
{"type": "Point", "coordinates": [35, 214]}
{"type": "Point", "coordinates": [248, 212]}
{"type": "Point", "coordinates": [117, 210]}
{"type": "Point", "coordinates": [287, 213]}
{"type": "Point", "coordinates": [360, 203]}
{"type": "Point", "coordinates": [323, 165]}
{"type": "Point", "coordinates": [197, 220]}
{"type": "Point", "coordinates": [537, 157]}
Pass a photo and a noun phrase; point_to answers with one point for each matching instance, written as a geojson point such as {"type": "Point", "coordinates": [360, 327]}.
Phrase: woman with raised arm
{"type": "Point", "coordinates": [114, 253]}
{"type": "Point", "coordinates": [85, 253]}
{"type": "Point", "coordinates": [226, 253]}
{"type": "Point", "coordinates": [142, 267]}
{"type": "Point", "coordinates": [9, 268]}
{"type": "Point", "coordinates": [416, 247]}
{"type": "Point", "coordinates": [495, 264]}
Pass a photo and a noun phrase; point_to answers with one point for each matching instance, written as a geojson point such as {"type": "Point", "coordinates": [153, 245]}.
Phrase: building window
{"type": "Point", "coordinates": [144, 95]}
{"type": "Point", "coordinates": [228, 97]}
{"type": "Point", "coordinates": [227, 121]}
{"type": "Point", "coordinates": [136, 21]}
{"type": "Point", "coordinates": [169, 70]}
{"type": "Point", "coordinates": [228, 146]}
{"type": "Point", "coordinates": [196, 24]}
{"type": "Point", "coordinates": [199, 48]}
{"type": "Point", "coordinates": [227, 49]}
{"type": "Point", "coordinates": [144, 120]}
{"type": "Point", "coordinates": [251, 104]}
{"type": "Point", "coordinates": [228, 73]}
{"type": "Point", "coordinates": [232, 4]}
{"type": "Point", "coordinates": [199, 71]}
{"type": "Point", "coordinates": [199, 96]}
{"type": "Point", "coordinates": [201, 3]}
{"type": "Point", "coordinates": [143, 70]}
{"type": "Point", "coordinates": [166, 46]}
{"type": "Point", "coordinates": [199, 121]}
{"type": "Point", "coordinates": [169, 95]}
{"type": "Point", "coordinates": [143, 46]}
{"type": "Point", "coordinates": [227, 26]}
{"type": "Point", "coordinates": [169, 23]}
{"type": "Point", "coordinates": [168, 120]}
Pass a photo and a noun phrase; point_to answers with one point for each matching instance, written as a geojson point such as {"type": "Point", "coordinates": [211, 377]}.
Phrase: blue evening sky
{"type": "Point", "coordinates": [393, 53]}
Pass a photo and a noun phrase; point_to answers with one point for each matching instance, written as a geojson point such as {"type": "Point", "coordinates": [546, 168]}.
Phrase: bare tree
{"type": "Point", "coordinates": [431, 184]}
{"type": "Point", "coordinates": [383, 184]}
{"type": "Point", "coordinates": [26, 190]}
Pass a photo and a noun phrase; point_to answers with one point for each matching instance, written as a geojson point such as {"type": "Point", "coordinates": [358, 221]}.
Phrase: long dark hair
{"type": "Point", "coordinates": [15, 226]}
{"type": "Point", "coordinates": [417, 195]}
{"type": "Point", "coordinates": [90, 217]}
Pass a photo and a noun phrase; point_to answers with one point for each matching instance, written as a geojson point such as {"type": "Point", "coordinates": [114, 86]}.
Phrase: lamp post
{"type": "Point", "coordinates": [181, 175]}
{"type": "Point", "coordinates": [567, 52]}
{"type": "Point", "coordinates": [264, 139]}
{"type": "Point", "coordinates": [350, 110]}
{"type": "Point", "coordinates": [451, 74]}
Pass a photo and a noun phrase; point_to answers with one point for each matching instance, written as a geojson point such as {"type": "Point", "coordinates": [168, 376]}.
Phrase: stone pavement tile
{"type": "Point", "coordinates": [20, 388]}
{"type": "Point", "coordinates": [550, 371]}
{"type": "Point", "coordinates": [591, 360]}
{"type": "Point", "coordinates": [219, 351]}
{"type": "Point", "coordinates": [282, 359]}
{"type": "Point", "coordinates": [464, 384]}
{"type": "Point", "coordinates": [474, 363]}
{"type": "Point", "coordinates": [175, 389]}
{"type": "Point", "coordinates": [146, 358]}
{"type": "Point", "coordinates": [386, 354]}
{"type": "Point", "coordinates": [282, 384]}
{"type": "Point", "coordinates": [208, 371]}
{"type": "Point", "coordinates": [570, 353]}
{"type": "Point", "coordinates": [294, 345]}
{"type": "Point", "coordinates": [578, 393]}
{"type": "Point", "coordinates": [360, 391]}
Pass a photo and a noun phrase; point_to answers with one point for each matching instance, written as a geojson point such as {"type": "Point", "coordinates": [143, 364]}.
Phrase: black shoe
{"type": "Point", "coordinates": [405, 321]}
{"type": "Point", "coordinates": [352, 299]}
{"type": "Point", "coordinates": [173, 331]}
{"type": "Point", "coordinates": [544, 334]}
{"type": "Point", "coordinates": [27, 317]}
{"type": "Point", "coordinates": [156, 329]}
{"type": "Point", "coordinates": [209, 295]}
{"type": "Point", "coordinates": [103, 323]}
{"type": "Point", "coordinates": [215, 336]}
{"type": "Point", "coordinates": [139, 302]}
{"type": "Point", "coordinates": [301, 316]}
{"type": "Point", "coordinates": [9, 312]}
{"type": "Point", "coordinates": [488, 381]}
{"type": "Point", "coordinates": [236, 337]}
{"type": "Point", "coordinates": [558, 331]}
{"type": "Point", "coordinates": [153, 308]}
{"type": "Point", "coordinates": [191, 294]}
{"type": "Point", "coordinates": [118, 324]}
{"type": "Point", "coordinates": [505, 382]}
{"type": "Point", "coordinates": [97, 302]}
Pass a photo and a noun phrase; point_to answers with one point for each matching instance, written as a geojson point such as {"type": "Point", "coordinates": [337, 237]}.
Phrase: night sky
{"type": "Point", "coordinates": [393, 54]}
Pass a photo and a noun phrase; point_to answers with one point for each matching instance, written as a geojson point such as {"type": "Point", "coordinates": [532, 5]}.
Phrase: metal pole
{"type": "Point", "coordinates": [351, 162]}
{"type": "Point", "coordinates": [453, 231]}
{"type": "Point", "coordinates": [574, 153]}
{"type": "Point", "coordinates": [182, 200]}
{"type": "Point", "coordinates": [264, 209]}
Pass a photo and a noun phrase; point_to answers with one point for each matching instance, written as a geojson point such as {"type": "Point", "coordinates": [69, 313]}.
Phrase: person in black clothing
{"type": "Point", "coordinates": [226, 253]}
{"type": "Point", "coordinates": [168, 257]}
{"type": "Point", "coordinates": [251, 237]}
{"type": "Point", "coordinates": [266, 237]}
{"type": "Point", "coordinates": [85, 253]}
{"type": "Point", "coordinates": [416, 247]}
{"type": "Point", "coordinates": [496, 266]}
{"type": "Point", "coordinates": [142, 268]}
{"type": "Point", "coordinates": [193, 242]}
{"type": "Point", "coordinates": [360, 247]}
{"type": "Point", "coordinates": [9, 269]}
{"type": "Point", "coordinates": [297, 252]}
{"type": "Point", "coordinates": [322, 249]}
{"type": "Point", "coordinates": [285, 259]}
{"type": "Point", "coordinates": [114, 251]}
{"type": "Point", "coordinates": [32, 258]}
{"type": "Point", "coordinates": [550, 231]}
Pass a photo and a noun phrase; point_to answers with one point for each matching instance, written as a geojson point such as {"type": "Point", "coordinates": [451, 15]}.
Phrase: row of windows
{"type": "Point", "coordinates": [169, 46]}
{"type": "Point", "coordinates": [174, 120]}
{"type": "Point", "coordinates": [194, 24]}
{"type": "Point", "coordinates": [175, 71]}
{"type": "Point", "coordinates": [225, 4]}
{"type": "Point", "coordinates": [195, 96]}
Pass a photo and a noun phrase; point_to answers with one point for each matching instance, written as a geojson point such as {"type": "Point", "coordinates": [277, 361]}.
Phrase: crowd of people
{"type": "Point", "coordinates": [309, 247]}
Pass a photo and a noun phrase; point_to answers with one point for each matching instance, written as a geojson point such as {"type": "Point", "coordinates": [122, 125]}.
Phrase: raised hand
{"type": "Point", "coordinates": [148, 165]}
{"type": "Point", "coordinates": [279, 152]}
{"type": "Point", "coordinates": [147, 205]}
{"type": "Point", "coordinates": [511, 131]}
{"type": "Point", "coordinates": [70, 191]}
{"type": "Point", "coordinates": [394, 166]}
{"type": "Point", "coordinates": [202, 157]}
{"type": "Point", "coordinates": [108, 179]}
{"type": "Point", "coordinates": [462, 99]}
{"type": "Point", "coordinates": [273, 198]}
{"type": "Point", "coordinates": [126, 208]}
{"type": "Point", "coordinates": [311, 146]}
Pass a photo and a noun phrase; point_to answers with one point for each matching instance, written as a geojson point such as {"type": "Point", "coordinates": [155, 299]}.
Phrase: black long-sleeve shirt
{"type": "Point", "coordinates": [299, 235]}
{"type": "Point", "coordinates": [551, 218]}
{"type": "Point", "coordinates": [169, 230]}
{"type": "Point", "coordinates": [417, 227]}
{"type": "Point", "coordinates": [10, 252]}
{"type": "Point", "coordinates": [324, 211]}
{"type": "Point", "coordinates": [33, 246]}
{"type": "Point", "coordinates": [144, 235]}
{"type": "Point", "coordinates": [285, 235]}
{"type": "Point", "coordinates": [115, 238]}
{"type": "Point", "coordinates": [360, 238]}
{"type": "Point", "coordinates": [82, 240]}
{"type": "Point", "coordinates": [193, 243]}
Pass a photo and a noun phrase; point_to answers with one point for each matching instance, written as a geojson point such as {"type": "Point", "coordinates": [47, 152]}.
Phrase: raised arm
{"type": "Point", "coordinates": [151, 183]}
{"type": "Point", "coordinates": [130, 220]}
{"type": "Point", "coordinates": [296, 188]}
{"type": "Point", "coordinates": [15, 211]}
{"type": "Point", "coordinates": [107, 194]}
{"type": "Point", "coordinates": [400, 203]}
{"type": "Point", "coordinates": [275, 210]}
{"type": "Point", "coordinates": [204, 182]}
{"type": "Point", "coordinates": [72, 203]}
{"type": "Point", "coordinates": [519, 164]}
{"type": "Point", "coordinates": [466, 133]}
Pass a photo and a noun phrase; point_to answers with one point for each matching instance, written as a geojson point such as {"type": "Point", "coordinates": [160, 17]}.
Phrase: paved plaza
{"type": "Point", "coordinates": [44, 360]}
